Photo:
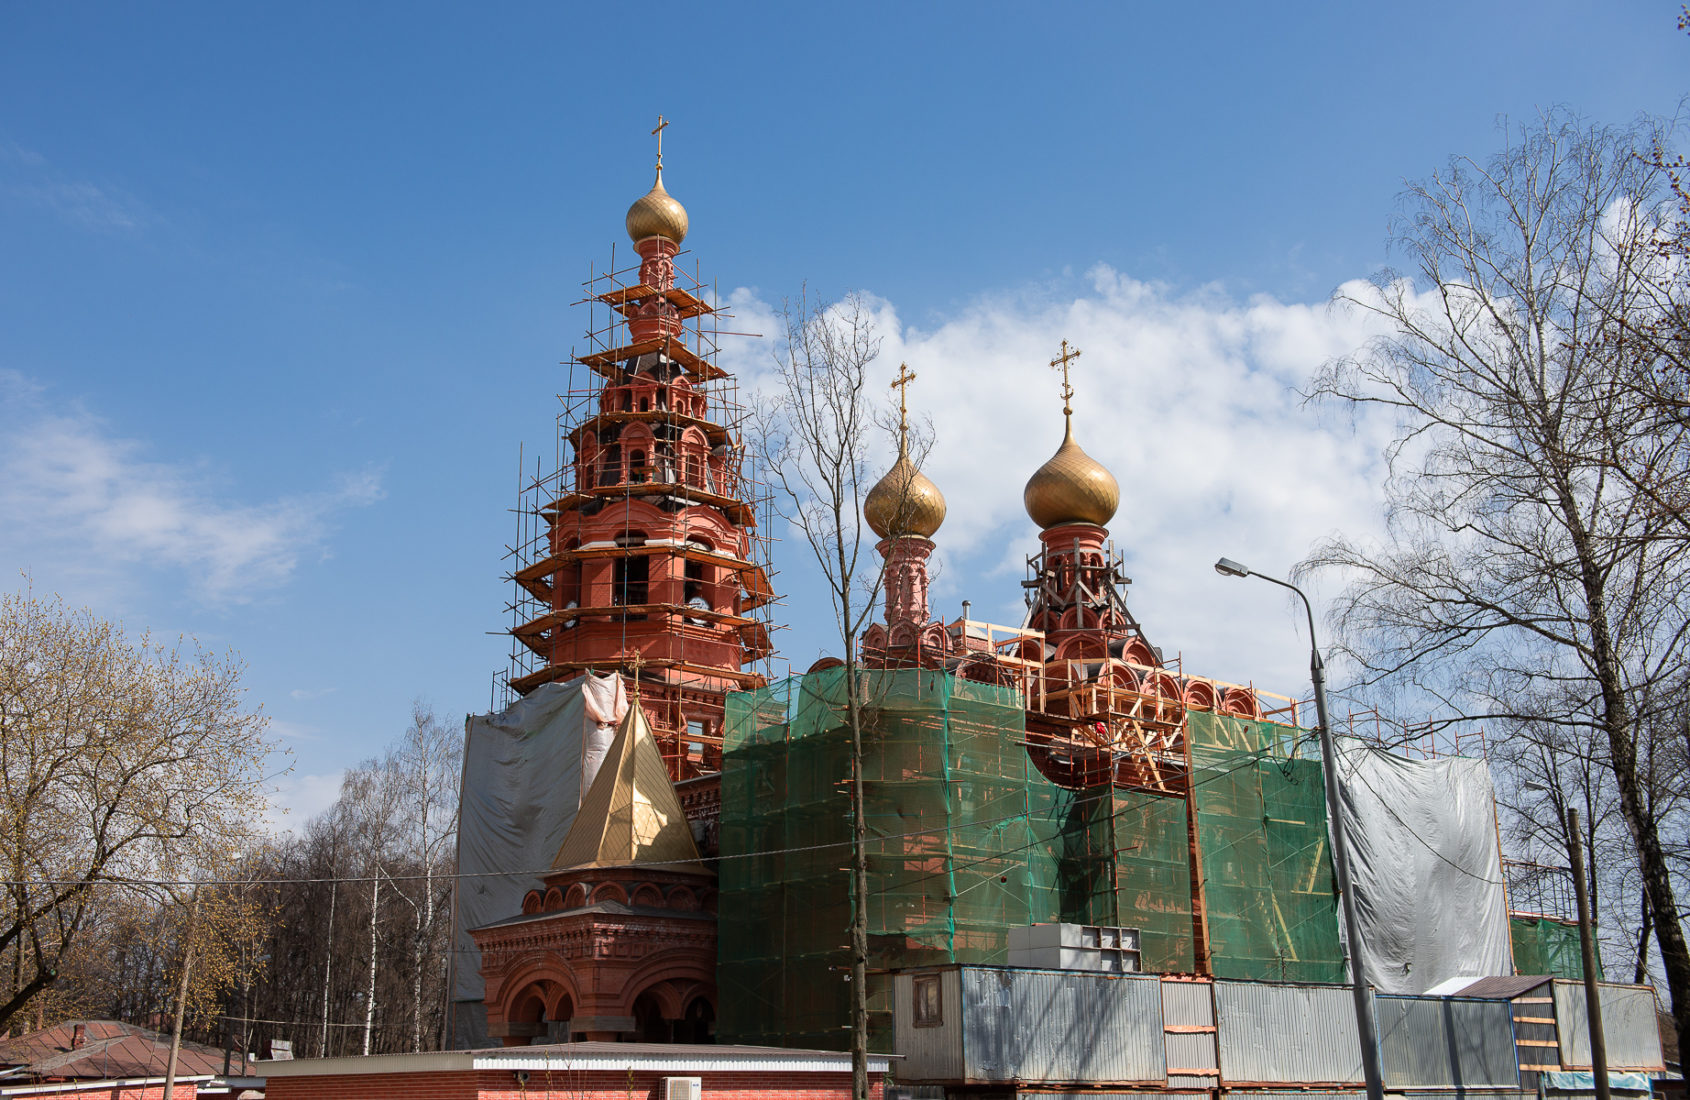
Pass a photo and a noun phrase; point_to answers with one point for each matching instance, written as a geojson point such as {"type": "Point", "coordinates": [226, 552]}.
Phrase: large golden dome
{"type": "Point", "coordinates": [904, 502]}
{"type": "Point", "coordinates": [1072, 487]}
{"type": "Point", "coordinates": [657, 214]}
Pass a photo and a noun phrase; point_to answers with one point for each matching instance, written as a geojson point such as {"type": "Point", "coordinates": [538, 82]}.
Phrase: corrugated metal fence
{"type": "Point", "coordinates": [1446, 1042]}
{"type": "Point", "coordinates": [1061, 1028]}
{"type": "Point", "coordinates": [1051, 1026]}
{"type": "Point", "coordinates": [1286, 1034]}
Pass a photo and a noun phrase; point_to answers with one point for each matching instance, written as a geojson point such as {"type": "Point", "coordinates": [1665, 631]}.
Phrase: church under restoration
{"type": "Point", "coordinates": [657, 836]}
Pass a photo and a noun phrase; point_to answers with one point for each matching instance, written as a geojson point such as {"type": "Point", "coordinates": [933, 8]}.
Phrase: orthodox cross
{"type": "Point", "coordinates": [637, 662]}
{"type": "Point", "coordinates": [662, 124]}
{"type": "Point", "coordinates": [901, 384]}
{"type": "Point", "coordinates": [1067, 390]}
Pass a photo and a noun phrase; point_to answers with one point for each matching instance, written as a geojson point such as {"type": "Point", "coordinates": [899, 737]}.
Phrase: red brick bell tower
{"type": "Point", "coordinates": [644, 539]}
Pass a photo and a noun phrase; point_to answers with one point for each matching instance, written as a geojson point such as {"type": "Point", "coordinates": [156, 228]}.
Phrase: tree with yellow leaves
{"type": "Point", "coordinates": [121, 760]}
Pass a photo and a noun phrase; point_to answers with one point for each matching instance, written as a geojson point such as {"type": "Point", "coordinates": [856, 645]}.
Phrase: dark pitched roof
{"type": "Point", "coordinates": [1505, 988]}
{"type": "Point", "coordinates": [109, 1049]}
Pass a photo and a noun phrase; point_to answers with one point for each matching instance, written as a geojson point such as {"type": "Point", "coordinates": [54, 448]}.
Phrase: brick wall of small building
{"type": "Point", "coordinates": [560, 1085]}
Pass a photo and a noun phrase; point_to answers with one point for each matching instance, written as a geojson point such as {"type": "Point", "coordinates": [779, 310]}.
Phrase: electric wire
{"type": "Point", "coordinates": [938, 830]}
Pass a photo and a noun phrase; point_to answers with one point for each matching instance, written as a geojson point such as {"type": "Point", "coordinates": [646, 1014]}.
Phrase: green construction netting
{"type": "Point", "coordinates": [1268, 894]}
{"type": "Point", "coordinates": [958, 849]}
{"type": "Point", "coordinates": [1543, 946]}
{"type": "Point", "coordinates": [1147, 883]}
{"type": "Point", "coordinates": [968, 840]}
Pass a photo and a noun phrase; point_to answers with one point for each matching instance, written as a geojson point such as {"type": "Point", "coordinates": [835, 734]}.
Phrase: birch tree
{"type": "Point", "coordinates": [1535, 571]}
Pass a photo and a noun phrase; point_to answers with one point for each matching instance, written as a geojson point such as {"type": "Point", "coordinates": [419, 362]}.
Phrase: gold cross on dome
{"type": "Point", "coordinates": [1067, 390]}
{"type": "Point", "coordinates": [637, 662]}
{"type": "Point", "coordinates": [901, 384]}
{"type": "Point", "coordinates": [662, 124]}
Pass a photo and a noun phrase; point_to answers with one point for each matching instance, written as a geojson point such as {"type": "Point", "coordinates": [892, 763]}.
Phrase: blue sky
{"type": "Point", "coordinates": [283, 288]}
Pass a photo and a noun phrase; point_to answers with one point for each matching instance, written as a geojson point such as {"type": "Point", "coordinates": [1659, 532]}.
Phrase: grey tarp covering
{"type": "Point", "coordinates": [1425, 868]}
{"type": "Point", "coordinates": [525, 771]}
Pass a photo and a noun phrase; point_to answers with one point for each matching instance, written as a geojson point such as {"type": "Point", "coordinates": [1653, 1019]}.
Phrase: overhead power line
{"type": "Point", "coordinates": [1248, 758]}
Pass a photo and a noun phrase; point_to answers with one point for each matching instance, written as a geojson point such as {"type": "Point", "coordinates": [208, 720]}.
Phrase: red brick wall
{"type": "Point", "coordinates": [562, 1085]}
{"type": "Point", "coordinates": [375, 1086]}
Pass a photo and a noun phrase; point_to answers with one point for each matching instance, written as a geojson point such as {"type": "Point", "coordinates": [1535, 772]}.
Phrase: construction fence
{"type": "Point", "coordinates": [967, 839]}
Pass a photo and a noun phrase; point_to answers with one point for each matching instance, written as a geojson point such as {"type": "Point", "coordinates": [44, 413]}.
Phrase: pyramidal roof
{"type": "Point", "coordinates": [630, 814]}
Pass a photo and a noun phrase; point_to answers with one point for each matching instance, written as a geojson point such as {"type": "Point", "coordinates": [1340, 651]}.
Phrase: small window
{"type": "Point", "coordinates": [928, 1001]}
{"type": "Point", "coordinates": [693, 586]}
{"type": "Point", "coordinates": [630, 578]}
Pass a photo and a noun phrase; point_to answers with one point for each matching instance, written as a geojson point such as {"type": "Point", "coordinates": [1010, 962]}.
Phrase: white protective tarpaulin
{"type": "Point", "coordinates": [1425, 868]}
{"type": "Point", "coordinates": [525, 772]}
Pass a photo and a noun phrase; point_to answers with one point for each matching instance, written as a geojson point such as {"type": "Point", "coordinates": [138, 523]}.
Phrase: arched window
{"type": "Point", "coordinates": [649, 1024]}
{"type": "Point", "coordinates": [699, 1023]}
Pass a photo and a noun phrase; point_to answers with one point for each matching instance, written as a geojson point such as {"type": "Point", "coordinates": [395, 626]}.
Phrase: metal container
{"type": "Point", "coordinates": [1628, 1024]}
{"type": "Point", "coordinates": [930, 1054]}
{"type": "Point", "coordinates": [1286, 1034]}
{"type": "Point", "coordinates": [1446, 1042]}
{"type": "Point", "coordinates": [1031, 1026]}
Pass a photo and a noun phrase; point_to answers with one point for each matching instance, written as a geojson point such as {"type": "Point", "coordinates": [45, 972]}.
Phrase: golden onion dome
{"type": "Point", "coordinates": [657, 214]}
{"type": "Point", "coordinates": [1072, 487]}
{"type": "Point", "coordinates": [904, 502]}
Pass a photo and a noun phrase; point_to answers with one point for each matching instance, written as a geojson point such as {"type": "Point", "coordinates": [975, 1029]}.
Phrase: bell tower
{"type": "Point", "coordinates": [641, 546]}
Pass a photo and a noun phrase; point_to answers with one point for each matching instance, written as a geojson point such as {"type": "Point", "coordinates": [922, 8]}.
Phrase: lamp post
{"type": "Point", "coordinates": [1366, 1026]}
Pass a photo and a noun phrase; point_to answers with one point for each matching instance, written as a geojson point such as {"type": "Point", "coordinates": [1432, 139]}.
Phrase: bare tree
{"type": "Point", "coordinates": [1526, 576]}
{"type": "Point", "coordinates": [815, 441]}
{"type": "Point", "coordinates": [369, 800]}
{"type": "Point", "coordinates": [427, 764]}
{"type": "Point", "coordinates": [120, 760]}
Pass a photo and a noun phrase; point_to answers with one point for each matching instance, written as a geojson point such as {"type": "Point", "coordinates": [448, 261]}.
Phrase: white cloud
{"type": "Point", "coordinates": [291, 731]}
{"type": "Point", "coordinates": [296, 799]}
{"type": "Point", "coordinates": [79, 202]}
{"type": "Point", "coordinates": [1191, 400]}
{"type": "Point", "coordinates": [83, 204]}
{"type": "Point", "coordinates": [85, 501]}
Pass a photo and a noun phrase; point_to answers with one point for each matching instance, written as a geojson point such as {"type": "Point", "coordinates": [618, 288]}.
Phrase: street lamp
{"type": "Point", "coordinates": [1366, 1026]}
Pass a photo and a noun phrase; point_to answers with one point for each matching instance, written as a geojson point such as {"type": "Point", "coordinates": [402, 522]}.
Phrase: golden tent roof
{"type": "Point", "coordinates": [630, 814]}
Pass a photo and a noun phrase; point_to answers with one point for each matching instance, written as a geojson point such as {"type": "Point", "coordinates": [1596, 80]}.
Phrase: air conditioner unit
{"type": "Point", "coordinates": [682, 1088]}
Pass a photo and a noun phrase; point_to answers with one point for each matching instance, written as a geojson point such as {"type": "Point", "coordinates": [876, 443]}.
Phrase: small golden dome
{"type": "Point", "coordinates": [904, 502]}
{"type": "Point", "coordinates": [657, 214]}
{"type": "Point", "coordinates": [1072, 487]}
